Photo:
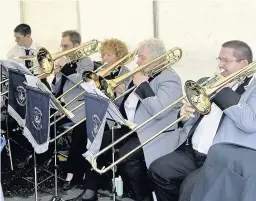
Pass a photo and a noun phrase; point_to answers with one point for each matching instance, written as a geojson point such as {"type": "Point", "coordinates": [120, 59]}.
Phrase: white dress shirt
{"type": "Point", "coordinates": [205, 132]}
{"type": "Point", "coordinates": [130, 106]}
{"type": "Point", "coordinates": [18, 51]}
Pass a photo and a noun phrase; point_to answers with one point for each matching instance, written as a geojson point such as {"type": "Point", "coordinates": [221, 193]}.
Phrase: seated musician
{"type": "Point", "coordinates": [25, 47]}
{"type": "Point", "coordinates": [64, 68]}
{"type": "Point", "coordinates": [153, 93]}
{"type": "Point", "coordinates": [231, 119]}
{"type": "Point", "coordinates": [111, 51]}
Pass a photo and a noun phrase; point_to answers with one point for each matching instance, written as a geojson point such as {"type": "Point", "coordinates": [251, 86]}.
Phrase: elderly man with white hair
{"type": "Point", "coordinates": [152, 94]}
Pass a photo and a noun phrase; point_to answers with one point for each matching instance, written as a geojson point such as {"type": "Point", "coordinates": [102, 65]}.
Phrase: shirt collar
{"type": "Point", "coordinates": [33, 46]}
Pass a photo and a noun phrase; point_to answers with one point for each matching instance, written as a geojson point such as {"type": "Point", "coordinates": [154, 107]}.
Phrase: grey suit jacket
{"type": "Point", "coordinates": [82, 65]}
{"type": "Point", "coordinates": [239, 126]}
{"type": "Point", "coordinates": [167, 88]}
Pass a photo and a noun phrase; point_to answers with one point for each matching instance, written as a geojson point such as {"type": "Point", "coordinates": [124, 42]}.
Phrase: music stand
{"type": "Point", "coordinates": [60, 109]}
{"type": "Point", "coordinates": [55, 197]}
{"type": "Point", "coordinates": [6, 64]}
{"type": "Point", "coordinates": [114, 115]}
{"type": "Point", "coordinates": [6, 120]}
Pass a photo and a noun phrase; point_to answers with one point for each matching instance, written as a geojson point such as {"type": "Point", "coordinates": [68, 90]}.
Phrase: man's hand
{"type": "Point", "coordinates": [139, 78]}
{"type": "Point", "coordinates": [230, 84]}
{"type": "Point", "coordinates": [187, 109]}
{"type": "Point", "coordinates": [59, 63]}
{"type": "Point", "coordinates": [120, 89]}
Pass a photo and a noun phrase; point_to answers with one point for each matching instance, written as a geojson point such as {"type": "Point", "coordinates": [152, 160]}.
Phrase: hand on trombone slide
{"type": "Point", "coordinates": [228, 85]}
{"type": "Point", "coordinates": [139, 78]}
{"type": "Point", "coordinates": [120, 89]}
{"type": "Point", "coordinates": [188, 110]}
{"type": "Point", "coordinates": [59, 63]}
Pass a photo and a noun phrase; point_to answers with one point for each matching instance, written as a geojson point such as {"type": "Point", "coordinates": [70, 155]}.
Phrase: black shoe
{"type": "Point", "coordinates": [68, 185]}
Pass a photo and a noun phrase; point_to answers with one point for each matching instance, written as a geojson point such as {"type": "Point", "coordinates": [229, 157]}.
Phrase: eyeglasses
{"type": "Point", "coordinates": [67, 46]}
{"type": "Point", "coordinates": [227, 61]}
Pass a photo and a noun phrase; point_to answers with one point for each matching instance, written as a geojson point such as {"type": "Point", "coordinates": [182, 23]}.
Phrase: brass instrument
{"type": "Point", "coordinates": [26, 57]}
{"type": "Point", "coordinates": [199, 97]}
{"type": "Point", "coordinates": [102, 71]}
{"type": "Point", "coordinates": [165, 60]}
{"type": "Point", "coordinates": [96, 76]}
{"type": "Point", "coordinates": [46, 59]}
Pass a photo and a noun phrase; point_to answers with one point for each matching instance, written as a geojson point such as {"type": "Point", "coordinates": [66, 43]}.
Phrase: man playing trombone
{"type": "Point", "coordinates": [226, 122]}
{"type": "Point", "coordinates": [67, 73]}
{"type": "Point", "coordinates": [26, 46]}
{"type": "Point", "coordinates": [64, 68]}
{"type": "Point", "coordinates": [153, 92]}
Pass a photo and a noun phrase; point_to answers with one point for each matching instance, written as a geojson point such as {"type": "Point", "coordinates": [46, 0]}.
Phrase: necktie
{"type": "Point", "coordinates": [28, 63]}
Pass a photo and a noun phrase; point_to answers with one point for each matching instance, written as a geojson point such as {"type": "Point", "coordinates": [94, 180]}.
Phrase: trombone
{"type": "Point", "coordinates": [46, 59]}
{"type": "Point", "coordinates": [199, 97]}
{"type": "Point", "coordinates": [165, 60]}
{"type": "Point", "coordinates": [102, 71]}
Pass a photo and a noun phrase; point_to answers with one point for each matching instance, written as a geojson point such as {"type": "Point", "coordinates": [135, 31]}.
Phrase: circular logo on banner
{"type": "Point", "coordinates": [37, 118]}
{"type": "Point", "coordinates": [21, 99]}
{"type": "Point", "coordinates": [96, 124]}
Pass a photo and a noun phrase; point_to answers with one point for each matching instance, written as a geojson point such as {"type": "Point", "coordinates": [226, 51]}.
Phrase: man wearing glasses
{"type": "Point", "coordinates": [64, 69]}
{"type": "Point", "coordinates": [168, 172]}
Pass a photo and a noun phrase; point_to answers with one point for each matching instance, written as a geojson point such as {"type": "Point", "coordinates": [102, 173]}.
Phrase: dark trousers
{"type": "Point", "coordinates": [133, 169]}
{"type": "Point", "coordinates": [76, 163]}
{"type": "Point", "coordinates": [168, 172]}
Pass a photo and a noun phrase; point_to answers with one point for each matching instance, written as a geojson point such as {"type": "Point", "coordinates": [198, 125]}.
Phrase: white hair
{"type": "Point", "coordinates": [155, 45]}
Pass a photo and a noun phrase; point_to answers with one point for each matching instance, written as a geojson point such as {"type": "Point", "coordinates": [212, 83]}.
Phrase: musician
{"type": "Point", "coordinates": [25, 47]}
{"type": "Point", "coordinates": [152, 94]}
{"type": "Point", "coordinates": [231, 119]}
{"type": "Point", "coordinates": [111, 51]}
{"type": "Point", "coordinates": [67, 72]}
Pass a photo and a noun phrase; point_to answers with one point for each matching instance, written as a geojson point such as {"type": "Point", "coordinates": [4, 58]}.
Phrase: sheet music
{"type": "Point", "coordinates": [91, 88]}
{"type": "Point", "coordinates": [35, 82]}
{"type": "Point", "coordinates": [113, 112]}
{"type": "Point", "coordinates": [15, 65]}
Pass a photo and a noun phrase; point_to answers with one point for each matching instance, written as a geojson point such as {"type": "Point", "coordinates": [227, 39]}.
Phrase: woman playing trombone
{"type": "Point", "coordinates": [111, 51]}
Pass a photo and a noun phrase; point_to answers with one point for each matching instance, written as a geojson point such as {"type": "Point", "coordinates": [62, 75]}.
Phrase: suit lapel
{"type": "Point", "coordinates": [121, 108]}
{"type": "Point", "coordinates": [149, 80]}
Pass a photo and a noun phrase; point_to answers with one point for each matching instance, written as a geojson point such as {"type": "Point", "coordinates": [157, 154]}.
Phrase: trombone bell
{"type": "Point", "coordinates": [45, 60]}
{"type": "Point", "coordinates": [91, 76]}
{"type": "Point", "coordinates": [197, 97]}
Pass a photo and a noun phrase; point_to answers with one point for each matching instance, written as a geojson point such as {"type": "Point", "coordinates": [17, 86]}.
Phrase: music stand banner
{"type": "Point", "coordinates": [95, 109]}
{"type": "Point", "coordinates": [17, 96]}
{"type": "Point", "coordinates": [37, 123]}
{"type": "Point", "coordinates": [98, 109]}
